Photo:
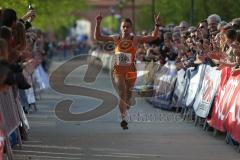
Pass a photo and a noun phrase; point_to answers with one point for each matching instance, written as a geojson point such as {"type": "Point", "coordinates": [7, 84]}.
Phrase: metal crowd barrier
{"type": "Point", "coordinates": [10, 119]}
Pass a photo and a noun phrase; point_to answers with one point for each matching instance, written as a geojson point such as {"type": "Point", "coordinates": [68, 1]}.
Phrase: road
{"type": "Point", "coordinates": [153, 133]}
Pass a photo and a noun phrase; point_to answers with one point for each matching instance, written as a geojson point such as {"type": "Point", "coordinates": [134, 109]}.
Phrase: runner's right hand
{"type": "Point", "coordinates": [99, 17]}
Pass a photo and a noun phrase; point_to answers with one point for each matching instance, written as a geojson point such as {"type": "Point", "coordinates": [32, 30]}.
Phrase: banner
{"type": "Point", "coordinates": [204, 99]}
{"type": "Point", "coordinates": [139, 84]}
{"type": "Point", "coordinates": [179, 87]}
{"type": "Point", "coordinates": [151, 68]}
{"type": "Point", "coordinates": [42, 78]}
{"type": "Point", "coordinates": [30, 95]}
{"type": "Point", "coordinates": [189, 74]}
{"type": "Point", "coordinates": [195, 84]}
{"type": "Point", "coordinates": [1, 140]}
{"type": "Point", "coordinates": [223, 99]}
{"type": "Point", "coordinates": [232, 122]}
{"type": "Point", "coordinates": [1, 145]}
{"type": "Point", "coordinates": [164, 85]}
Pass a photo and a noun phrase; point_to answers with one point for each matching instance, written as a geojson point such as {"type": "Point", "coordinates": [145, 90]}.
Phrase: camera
{"type": "Point", "coordinates": [30, 7]}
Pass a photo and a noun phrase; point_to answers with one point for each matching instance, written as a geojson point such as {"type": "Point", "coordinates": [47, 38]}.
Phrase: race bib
{"type": "Point", "coordinates": [122, 58]}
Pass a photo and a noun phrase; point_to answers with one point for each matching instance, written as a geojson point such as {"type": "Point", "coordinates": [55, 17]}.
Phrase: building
{"type": "Point", "coordinates": [124, 8]}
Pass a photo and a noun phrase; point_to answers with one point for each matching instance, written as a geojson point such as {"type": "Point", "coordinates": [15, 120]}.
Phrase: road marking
{"type": "Point", "coordinates": [142, 155]}
{"type": "Point", "coordinates": [52, 147]}
{"type": "Point", "coordinates": [113, 156]}
{"type": "Point", "coordinates": [56, 153]}
{"type": "Point", "coordinates": [65, 158]}
{"type": "Point", "coordinates": [42, 123]}
{"type": "Point", "coordinates": [32, 141]}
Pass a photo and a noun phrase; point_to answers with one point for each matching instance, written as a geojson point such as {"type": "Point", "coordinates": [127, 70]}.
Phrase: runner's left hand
{"type": "Point", "coordinates": [157, 19]}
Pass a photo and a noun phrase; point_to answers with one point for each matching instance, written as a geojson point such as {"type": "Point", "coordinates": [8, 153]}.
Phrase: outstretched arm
{"type": "Point", "coordinates": [97, 32]}
{"type": "Point", "coordinates": [154, 35]}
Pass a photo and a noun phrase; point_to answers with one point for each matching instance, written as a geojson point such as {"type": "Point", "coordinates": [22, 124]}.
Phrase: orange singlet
{"type": "Point", "coordinates": [124, 60]}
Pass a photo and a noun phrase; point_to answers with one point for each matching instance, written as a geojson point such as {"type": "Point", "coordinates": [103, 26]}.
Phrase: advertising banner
{"type": "Point", "coordinates": [1, 139]}
{"type": "Point", "coordinates": [232, 121]}
{"type": "Point", "coordinates": [227, 89]}
{"type": "Point", "coordinates": [179, 87]}
{"type": "Point", "coordinates": [203, 102]}
{"type": "Point", "coordinates": [164, 85]}
{"type": "Point", "coordinates": [195, 84]}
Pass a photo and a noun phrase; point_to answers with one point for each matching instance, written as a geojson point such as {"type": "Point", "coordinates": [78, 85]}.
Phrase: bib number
{"type": "Point", "coordinates": [123, 58]}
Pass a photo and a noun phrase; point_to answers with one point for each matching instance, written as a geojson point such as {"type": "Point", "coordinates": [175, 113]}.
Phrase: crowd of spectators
{"type": "Point", "coordinates": [212, 41]}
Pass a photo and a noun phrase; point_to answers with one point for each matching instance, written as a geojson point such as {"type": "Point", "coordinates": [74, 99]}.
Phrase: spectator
{"type": "Point", "coordinates": [183, 26]}
{"type": "Point", "coordinates": [213, 21]}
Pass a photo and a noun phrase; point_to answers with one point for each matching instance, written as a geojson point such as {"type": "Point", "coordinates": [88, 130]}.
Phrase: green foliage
{"type": "Point", "coordinates": [111, 22]}
{"type": "Point", "coordinates": [51, 14]}
{"type": "Point", "coordinates": [174, 11]}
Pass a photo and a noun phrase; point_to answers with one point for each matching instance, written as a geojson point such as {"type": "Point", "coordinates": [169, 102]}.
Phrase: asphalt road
{"type": "Point", "coordinates": [153, 133]}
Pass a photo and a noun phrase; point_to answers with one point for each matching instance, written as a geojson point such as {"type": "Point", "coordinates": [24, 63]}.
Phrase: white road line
{"type": "Point", "coordinates": [65, 158]}
{"type": "Point", "coordinates": [142, 155]}
{"type": "Point", "coordinates": [104, 149]}
{"type": "Point", "coordinates": [53, 147]}
{"type": "Point", "coordinates": [95, 149]}
{"type": "Point", "coordinates": [41, 116]}
{"type": "Point", "coordinates": [113, 156]}
{"type": "Point", "coordinates": [56, 153]}
{"type": "Point", "coordinates": [32, 141]}
{"type": "Point", "coordinates": [42, 123]}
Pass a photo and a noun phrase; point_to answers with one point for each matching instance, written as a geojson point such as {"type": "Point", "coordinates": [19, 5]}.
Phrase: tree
{"type": "Point", "coordinates": [174, 11]}
{"type": "Point", "coordinates": [51, 14]}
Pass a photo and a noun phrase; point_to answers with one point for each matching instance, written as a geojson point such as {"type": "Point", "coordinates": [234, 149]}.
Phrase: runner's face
{"type": "Point", "coordinates": [126, 28]}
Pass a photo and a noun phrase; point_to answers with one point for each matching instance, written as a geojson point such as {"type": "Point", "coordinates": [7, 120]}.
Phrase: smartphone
{"type": "Point", "coordinates": [30, 7]}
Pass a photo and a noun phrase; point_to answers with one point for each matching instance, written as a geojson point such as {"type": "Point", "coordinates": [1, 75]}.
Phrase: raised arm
{"type": "Point", "coordinates": [97, 32]}
{"type": "Point", "coordinates": [154, 35]}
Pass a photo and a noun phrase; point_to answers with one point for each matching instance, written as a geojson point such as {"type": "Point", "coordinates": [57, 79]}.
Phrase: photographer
{"type": "Point", "coordinates": [9, 18]}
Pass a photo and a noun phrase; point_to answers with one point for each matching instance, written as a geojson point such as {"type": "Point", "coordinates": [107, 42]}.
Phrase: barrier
{"type": "Point", "coordinates": [181, 102]}
{"type": "Point", "coordinates": [10, 118]}
{"type": "Point", "coordinates": [212, 94]}
{"type": "Point", "coordinates": [195, 84]}
{"type": "Point", "coordinates": [9, 112]}
{"type": "Point", "coordinates": [1, 139]}
{"type": "Point", "coordinates": [221, 103]}
{"type": "Point", "coordinates": [179, 88]}
{"type": "Point", "coordinates": [233, 119]}
{"type": "Point", "coordinates": [145, 78]}
{"type": "Point", "coordinates": [164, 85]}
{"type": "Point", "coordinates": [204, 99]}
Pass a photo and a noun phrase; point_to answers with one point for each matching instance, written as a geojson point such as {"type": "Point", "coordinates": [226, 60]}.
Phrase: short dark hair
{"type": "Point", "coordinates": [5, 33]}
{"type": "Point", "coordinates": [128, 20]}
{"type": "Point", "coordinates": [236, 23]}
{"type": "Point", "coordinates": [231, 34]}
{"type": "Point", "coordinates": [168, 35]}
{"type": "Point", "coordinates": [9, 16]}
{"type": "Point", "coordinates": [238, 36]}
{"type": "Point", "coordinates": [203, 21]}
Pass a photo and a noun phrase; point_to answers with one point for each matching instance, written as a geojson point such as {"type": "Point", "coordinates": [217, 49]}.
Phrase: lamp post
{"type": "Point", "coordinates": [120, 6]}
{"type": "Point", "coordinates": [133, 14]}
{"type": "Point", "coordinates": [112, 10]}
{"type": "Point", "coordinates": [153, 11]}
{"type": "Point", "coordinates": [192, 12]}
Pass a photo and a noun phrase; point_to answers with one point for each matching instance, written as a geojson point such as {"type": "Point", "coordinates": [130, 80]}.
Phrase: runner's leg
{"type": "Point", "coordinates": [122, 91]}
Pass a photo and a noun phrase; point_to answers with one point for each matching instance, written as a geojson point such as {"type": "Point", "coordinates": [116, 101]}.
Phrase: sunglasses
{"type": "Point", "coordinates": [201, 27]}
{"type": "Point", "coordinates": [236, 26]}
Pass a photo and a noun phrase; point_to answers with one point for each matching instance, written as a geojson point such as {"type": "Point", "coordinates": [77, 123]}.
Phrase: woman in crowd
{"type": "Point", "coordinates": [3, 58]}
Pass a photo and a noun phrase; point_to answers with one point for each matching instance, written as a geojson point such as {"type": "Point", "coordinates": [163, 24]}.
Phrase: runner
{"type": "Point", "coordinates": [124, 71]}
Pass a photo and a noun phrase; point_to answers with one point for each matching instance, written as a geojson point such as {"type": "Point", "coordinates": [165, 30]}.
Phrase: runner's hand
{"type": "Point", "coordinates": [99, 17]}
{"type": "Point", "coordinates": [157, 20]}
